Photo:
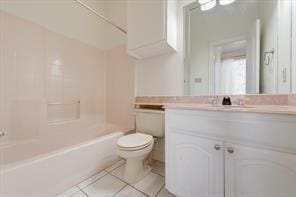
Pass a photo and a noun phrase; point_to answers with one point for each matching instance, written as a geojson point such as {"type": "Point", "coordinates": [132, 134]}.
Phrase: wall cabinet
{"type": "Point", "coordinates": [151, 27]}
{"type": "Point", "coordinates": [202, 164]}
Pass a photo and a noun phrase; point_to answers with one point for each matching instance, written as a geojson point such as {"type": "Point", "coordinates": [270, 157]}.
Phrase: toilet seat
{"type": "Point", "coordinates": [133, 142]}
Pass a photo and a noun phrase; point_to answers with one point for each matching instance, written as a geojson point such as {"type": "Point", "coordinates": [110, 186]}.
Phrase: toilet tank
{"type": "Point", "coordinates": [150, 122]}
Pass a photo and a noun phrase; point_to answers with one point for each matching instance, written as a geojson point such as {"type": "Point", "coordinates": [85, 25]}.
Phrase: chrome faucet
{"type": "Point", "coordinates": [213, 101]}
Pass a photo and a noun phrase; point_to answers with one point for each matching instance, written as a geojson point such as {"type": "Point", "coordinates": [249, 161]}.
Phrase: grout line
{"type": "Point", "coordinates": [160, 190]}
{"type": "Point", "coordinates": [83, 192]}
{"type": "Point", "coordinates": [119, 190]}
{"type": "Point", "coordinates": [157, 174]}
{"type": "Point", "coordinates": [115, 168]}
{"type": "Point", "coordinates": [129, 184]}
{"type": "Point", "coordinates": [92, 181]}
{"type": "Point", "coordinates": [138, 190]}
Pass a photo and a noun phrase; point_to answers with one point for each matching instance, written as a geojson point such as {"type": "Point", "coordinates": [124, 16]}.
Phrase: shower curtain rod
{"type": "Point", "coordinates": [99, 15]}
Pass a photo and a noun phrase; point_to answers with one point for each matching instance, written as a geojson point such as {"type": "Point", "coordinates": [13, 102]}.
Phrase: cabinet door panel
{"type": "Point", "coordinates": [252, 172]}
{"type": "Point", "coordinates": [194, 167]}
{"type": "Point", "coordinates": [146, 22]}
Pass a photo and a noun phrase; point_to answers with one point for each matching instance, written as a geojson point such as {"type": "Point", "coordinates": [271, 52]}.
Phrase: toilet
{"type": "Point", "coordinates": [136, 147]}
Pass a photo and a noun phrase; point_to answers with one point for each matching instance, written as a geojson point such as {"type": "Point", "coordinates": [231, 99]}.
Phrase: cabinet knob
{"type": "Point", "coordinates": [217, 147]}
{"type": "Point", "coordinates": [230, 150]}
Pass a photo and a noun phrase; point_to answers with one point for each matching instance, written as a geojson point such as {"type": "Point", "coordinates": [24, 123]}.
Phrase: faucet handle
{"type": "Point", "coordinates": [242, 101]}
{"type": "Point", "coordinates": [213, 100]}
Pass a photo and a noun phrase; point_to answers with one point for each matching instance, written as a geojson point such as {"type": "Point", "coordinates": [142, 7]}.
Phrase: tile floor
{"type": "Point", "coordinates": [110, 183]}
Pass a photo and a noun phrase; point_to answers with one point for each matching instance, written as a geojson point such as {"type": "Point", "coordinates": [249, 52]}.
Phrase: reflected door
{"type": "Point", "coordinates": [253, 59]}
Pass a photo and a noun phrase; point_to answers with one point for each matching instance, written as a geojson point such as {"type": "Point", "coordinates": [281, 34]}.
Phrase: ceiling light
{"type": "Point", "coordinates": [207, 4]}
{"type": "Point", "coordinates": [226, 2]}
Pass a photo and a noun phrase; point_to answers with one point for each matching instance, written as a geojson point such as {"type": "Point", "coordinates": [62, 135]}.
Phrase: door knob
{"type": "Point", "coordinates": [217, 147]}
{"type": "Point", "coordinates": [230, 150]}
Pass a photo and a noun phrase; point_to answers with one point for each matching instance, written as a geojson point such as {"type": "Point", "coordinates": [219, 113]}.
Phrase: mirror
{"type": "Point", "coordinates": [235, 47]}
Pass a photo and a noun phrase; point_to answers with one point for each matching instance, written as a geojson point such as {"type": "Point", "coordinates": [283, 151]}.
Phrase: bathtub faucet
{"type": "Point", "coordinates": [2, 134]}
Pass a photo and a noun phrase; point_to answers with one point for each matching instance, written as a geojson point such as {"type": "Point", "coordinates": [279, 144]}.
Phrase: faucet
{"type": "Point", "coordinates": [226, 101]}
{"type": "Point", "coordinates": [213, 101]}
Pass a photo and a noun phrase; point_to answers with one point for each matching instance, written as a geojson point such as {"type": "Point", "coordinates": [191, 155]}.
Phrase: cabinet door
{"type": "Point", "coordinates": [194, 166]}
{"type": "Point", "coordinates": [146, 23]}
{"type": "Point", "coordinates": [252, 172]}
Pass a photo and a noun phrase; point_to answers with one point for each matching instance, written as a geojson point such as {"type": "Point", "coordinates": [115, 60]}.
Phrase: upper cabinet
{"type": "Point", "coordinates": [151, 27]}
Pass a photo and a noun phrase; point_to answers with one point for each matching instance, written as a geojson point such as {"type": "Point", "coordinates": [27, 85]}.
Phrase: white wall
{"type": "Point", "coordinates": [70, 19]}
{"type": "Point", "coordinates": [269, 25]}
{"type": "Point", "coordinates": [163, 75]}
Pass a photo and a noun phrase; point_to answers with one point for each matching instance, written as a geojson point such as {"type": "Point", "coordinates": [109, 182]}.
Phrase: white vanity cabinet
{"type": "Point", "coordinates": [217, 154]}
{"type": "Point", "coordinates": [151, 27]}
{"type": "Point", "coordinates": [258, 172]}
{"type": "Point", "coordinates": [195, 166]}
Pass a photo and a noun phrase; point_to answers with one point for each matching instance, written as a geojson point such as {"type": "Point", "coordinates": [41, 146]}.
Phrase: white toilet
{"type": "Point", "coordinates": [136, 147]}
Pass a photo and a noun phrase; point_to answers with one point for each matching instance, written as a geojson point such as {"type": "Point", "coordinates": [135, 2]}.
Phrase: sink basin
{"type": "Point", "coordinates": [232, 107]}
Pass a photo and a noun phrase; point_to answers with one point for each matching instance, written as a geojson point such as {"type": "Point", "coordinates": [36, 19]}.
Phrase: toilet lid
{"type": "Point", "coordinates": [135, 140]}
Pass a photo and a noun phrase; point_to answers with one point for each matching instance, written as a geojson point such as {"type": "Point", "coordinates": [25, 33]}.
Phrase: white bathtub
{"type": "Point", "coordinates": [45, 175]}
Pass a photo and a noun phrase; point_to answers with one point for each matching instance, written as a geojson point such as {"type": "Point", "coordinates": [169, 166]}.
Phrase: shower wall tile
{"type": "Point", "coordinates": [120, 88]}
{"type": "Point", "coordinates": [40, 67]}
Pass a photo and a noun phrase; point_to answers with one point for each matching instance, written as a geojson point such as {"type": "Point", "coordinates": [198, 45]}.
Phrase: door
{"type": "Point", "coordinates": [284, 47]}
{"type": "Point", "coordinates": [194, 166]}
{"type": "Point", "coordinates": [253, 59]}
{"type": "Point", "coordinates": [252, 172]}
{"type": "Point", "coordinates": [293, 63]}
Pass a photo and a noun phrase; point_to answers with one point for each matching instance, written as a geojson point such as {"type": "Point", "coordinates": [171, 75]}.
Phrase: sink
{"type": "Point", "coordinates": [232, 107]}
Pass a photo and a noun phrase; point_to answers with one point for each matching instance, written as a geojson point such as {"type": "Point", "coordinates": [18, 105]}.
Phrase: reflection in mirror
{"type": "Point", "coordinates": [238, 47]}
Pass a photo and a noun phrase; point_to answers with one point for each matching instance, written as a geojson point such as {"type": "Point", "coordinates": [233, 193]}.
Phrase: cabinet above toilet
{"type": "Point", "coordinates": [151, 28]}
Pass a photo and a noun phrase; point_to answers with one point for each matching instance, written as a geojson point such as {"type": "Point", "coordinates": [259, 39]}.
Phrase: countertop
{"type": "Point", "coordinates": [269, 109]}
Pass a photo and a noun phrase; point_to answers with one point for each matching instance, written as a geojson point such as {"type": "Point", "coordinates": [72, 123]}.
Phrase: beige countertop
{"type": "Point", "coordinates": [270, 109]}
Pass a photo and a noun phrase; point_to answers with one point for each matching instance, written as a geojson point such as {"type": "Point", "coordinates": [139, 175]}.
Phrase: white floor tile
{"type": "Point", "coordinates": [158, 168]}
{"type": "Point", "coordinates": [91, 179]}
{"type": "Point", "coordinates": [150, 184]}
{"type": "Point", "coordinates": [116, 165]}
{"type": "Point", "coordinates": [119, 172]}
{"type": "Point", "coordinates": [69, 192]}
{"type": "Point", "coordinates": [128, 191]}
{"type": "Point", "coordinates": [79, 194]}
{"type": "Point", "coordinates": [164, 193]}
{"type": "Point", "coordinates": [104, 187]}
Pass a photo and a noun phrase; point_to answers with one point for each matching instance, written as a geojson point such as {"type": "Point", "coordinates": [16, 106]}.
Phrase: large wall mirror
{"type": "Point", "coordinates": [235, 47]}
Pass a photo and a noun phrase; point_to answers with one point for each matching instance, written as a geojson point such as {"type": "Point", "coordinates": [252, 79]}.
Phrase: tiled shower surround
{"type": "Point", "coordinates": [48, 78]}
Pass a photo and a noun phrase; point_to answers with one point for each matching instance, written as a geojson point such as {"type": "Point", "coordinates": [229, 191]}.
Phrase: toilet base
{"type": "Point", "coordinates": [135, 170]}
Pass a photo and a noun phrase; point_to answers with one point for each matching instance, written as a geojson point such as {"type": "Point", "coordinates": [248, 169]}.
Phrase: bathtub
{"type": "Point", "coordinates": [27, 169]}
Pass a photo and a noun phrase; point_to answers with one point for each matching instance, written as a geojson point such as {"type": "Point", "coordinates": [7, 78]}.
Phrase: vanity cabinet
{"type": "Point", "coordinates": [195, 166]}
{"type": "Point", "coordinates": [258, 172]}
{"type": "Point", "coordinates": [208, 155]}
{"type": "Point", "coordinates": [151, 27]}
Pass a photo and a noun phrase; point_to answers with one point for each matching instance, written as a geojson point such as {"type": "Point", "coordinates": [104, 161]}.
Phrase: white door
{"type": "Point", "coordinates": [194, 166]}
{"type": "Point", "coordinates": [293, 64]}
{"type": "Point", "coordinates": [253, 59]}
{"type": "Point", "coordinates": [252, 172]}
{"type": "Point", "coordinates": [284, 46]}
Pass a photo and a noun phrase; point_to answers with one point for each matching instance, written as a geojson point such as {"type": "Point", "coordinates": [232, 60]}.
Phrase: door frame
{"type": "Point", "coordinates": [293, 54]}
{"type": "Point", "coordinates": [212, 59]}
